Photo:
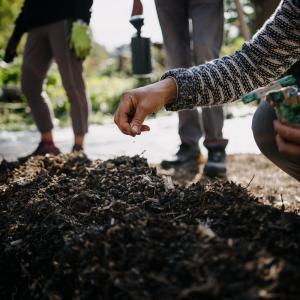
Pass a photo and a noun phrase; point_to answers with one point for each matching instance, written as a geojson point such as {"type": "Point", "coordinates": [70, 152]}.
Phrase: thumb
{"type": "Point", "coordinates": [136, 123]}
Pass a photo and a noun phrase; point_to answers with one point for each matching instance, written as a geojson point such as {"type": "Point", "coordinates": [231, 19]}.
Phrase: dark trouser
{"type": "Point", "coordinates": [43, 45]}
{"type": "Point", "coordinates": [185, 49]}
{"type": "Point", "coordinates": [264, 134]}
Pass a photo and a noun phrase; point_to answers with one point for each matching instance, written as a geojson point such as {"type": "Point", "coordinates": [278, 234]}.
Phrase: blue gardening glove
{"type": "Point", "coordinates": [81, 39]}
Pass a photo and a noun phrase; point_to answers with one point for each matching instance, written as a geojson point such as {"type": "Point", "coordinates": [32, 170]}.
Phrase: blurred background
{"type": "Point", "coordinates": [108, 69]}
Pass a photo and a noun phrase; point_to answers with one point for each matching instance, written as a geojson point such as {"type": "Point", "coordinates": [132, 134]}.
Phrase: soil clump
{"type": "Point", "coordinates": [71, 228]}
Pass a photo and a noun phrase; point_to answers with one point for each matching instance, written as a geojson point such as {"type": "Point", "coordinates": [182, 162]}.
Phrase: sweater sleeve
{"type": "Point", "coordinates": [82, 10]}
{"type": "Point", "coordinates": [21, 25]}
{"type": "Point", "coordinates": [271, 52]}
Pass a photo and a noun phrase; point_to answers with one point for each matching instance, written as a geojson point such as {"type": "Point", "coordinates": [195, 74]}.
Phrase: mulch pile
{"type": "Point", "coordinates": [71, 228]}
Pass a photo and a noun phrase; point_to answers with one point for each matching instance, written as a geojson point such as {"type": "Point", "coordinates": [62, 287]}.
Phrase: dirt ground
{"type": "Point", "coordinates": [71, 228]}
{"type": "Point", "coordinates": [263, 179]}
{"type": "Point", "coordinates": [254, 172]}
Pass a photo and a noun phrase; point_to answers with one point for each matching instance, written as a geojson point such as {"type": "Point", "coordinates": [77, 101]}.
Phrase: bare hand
{"type": "Point", "coordinates": [287, 139]}
{"type": "Point", "coordinates": [137, 104]}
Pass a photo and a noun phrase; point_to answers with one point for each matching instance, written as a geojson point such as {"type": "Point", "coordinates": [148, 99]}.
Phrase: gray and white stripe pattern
{"type": "Point", "coordinates": [271, 52]}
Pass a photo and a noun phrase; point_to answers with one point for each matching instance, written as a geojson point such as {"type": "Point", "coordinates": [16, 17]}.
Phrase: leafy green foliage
{"type": "Point", "coordinates": [232, 30]}
{"type": "Point", "coordinates": [11, 75]}
{"type": "Point", "coordinates": [9, 10]}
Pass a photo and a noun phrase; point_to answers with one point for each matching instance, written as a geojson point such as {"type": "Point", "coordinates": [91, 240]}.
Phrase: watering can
{"type": "Point", "coordinates": [140, 46]}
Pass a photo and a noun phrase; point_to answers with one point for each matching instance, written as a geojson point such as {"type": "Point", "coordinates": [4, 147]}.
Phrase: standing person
{"type": "Point", "coordinates": [57, 30]}
{"type": "Point", "coordinates": [193, 34]}
{"type": "Point", "coordinates": [271, 52]}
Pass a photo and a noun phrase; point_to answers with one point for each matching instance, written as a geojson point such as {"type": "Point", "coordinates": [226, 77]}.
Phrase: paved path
{"type": "Point", "coordinates": [105, 141]}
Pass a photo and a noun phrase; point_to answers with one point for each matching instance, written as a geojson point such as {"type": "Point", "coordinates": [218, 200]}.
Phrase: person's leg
{"type": "Point", "coordinates": [174, 22]}
{"type": "Point", "coordinates": [207, 43]}
{"type": "Point", "coordinates": [37, 58]}
{"type": "Point", "coordinates": [207, 39]}
{"type": "Point", "coordinates": [71, 70]}
{"type": "Point", "coordinates": [265, 137]}
{"type": "Point", "coordinates": [189, 128]}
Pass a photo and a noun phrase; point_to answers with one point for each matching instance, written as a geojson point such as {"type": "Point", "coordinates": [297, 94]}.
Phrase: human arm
{"type": "Point", "coordinates": [138, 103]}
{"type": "Point", "coordinates": [11, 48]}
{"type": "Point", "coordinates": [19, 29]}
{"type": "Point", "coordinates": [267, 56]}
{"type": "Point", "coordinates": [82, 10]}
{"type": "Point", "coordinates": [271, 52]}
{"type": "Point", "coordinates": [81, 39]}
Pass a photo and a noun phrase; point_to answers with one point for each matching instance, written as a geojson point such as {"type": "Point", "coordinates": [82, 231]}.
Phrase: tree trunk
{"type": "Point", "coordinates": [243, 25]}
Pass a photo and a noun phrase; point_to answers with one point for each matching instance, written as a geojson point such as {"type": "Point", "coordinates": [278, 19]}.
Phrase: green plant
{"type": "Point", "coordinates": [11, 75]}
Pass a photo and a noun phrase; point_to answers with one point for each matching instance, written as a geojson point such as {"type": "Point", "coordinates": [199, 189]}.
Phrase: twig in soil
{"type": "Point", "coordinates": [179, 217]}
{"type": "Point", "coordinates": [282, 203]}
{"type": "Point", "coordinates": [168, 183]}
{"type": "Point", "coordinates": [142, 153]}
{"type": "Point", "coordinates": [250, 181]}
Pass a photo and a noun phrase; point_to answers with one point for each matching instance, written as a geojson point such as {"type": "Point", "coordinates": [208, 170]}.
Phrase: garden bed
{"type": "Point", "coordinates": [71, 228]}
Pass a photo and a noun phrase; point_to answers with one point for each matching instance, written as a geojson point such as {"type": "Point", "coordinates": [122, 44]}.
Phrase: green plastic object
{"type": "Point", "coordinates": [81, 40]}
{"type": "Point", "coordinates": [278, 97]}
{"type": "Point", "coordinates": [290, 113]}
{"type": "Point", "coordinates": [283, 95]}
{"type": "Point", "coordinates": [287, 104]}
{"type": "Point", "coordinates": [260, 93]}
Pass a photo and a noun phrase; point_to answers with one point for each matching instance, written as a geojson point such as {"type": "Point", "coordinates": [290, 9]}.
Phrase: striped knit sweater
{"type": "Point", "coordinates": [271, 52]}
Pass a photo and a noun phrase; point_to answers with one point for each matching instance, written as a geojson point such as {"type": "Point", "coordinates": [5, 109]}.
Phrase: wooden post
{"type": "Point", "coordinates": [243, 25]}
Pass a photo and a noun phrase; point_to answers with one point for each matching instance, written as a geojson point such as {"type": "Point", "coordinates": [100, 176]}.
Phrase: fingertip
{"type": "Point", "coordinates": [145, 128]}
{"type": "Point", "coordinates": [135, 129]}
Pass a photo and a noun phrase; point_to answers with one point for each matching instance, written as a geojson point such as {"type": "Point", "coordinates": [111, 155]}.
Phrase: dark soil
{"type": "Point", "coordinates": [71, 228]}
{"type": "Point", "coordinates": [266, 181]}
{"type": "Point", "coordinates": [253, 171]}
